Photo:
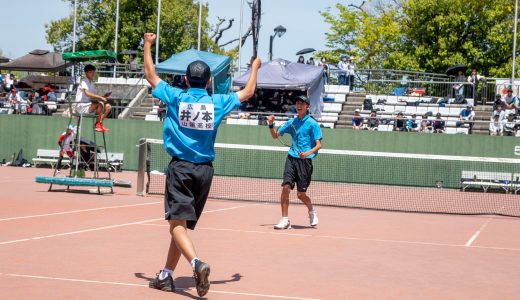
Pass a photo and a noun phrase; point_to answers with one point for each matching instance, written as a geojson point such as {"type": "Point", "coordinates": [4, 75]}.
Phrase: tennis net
{"type": "Point", "coordinates": [405, 182]}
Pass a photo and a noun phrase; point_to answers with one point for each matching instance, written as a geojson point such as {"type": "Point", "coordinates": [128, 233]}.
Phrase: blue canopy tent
{"type": "Point", "coordinates": [281, 74]}
{"type": "Point", "coordinates": [218, 64]}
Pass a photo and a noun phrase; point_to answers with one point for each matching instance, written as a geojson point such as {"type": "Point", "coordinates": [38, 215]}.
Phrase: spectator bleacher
{"type": "Point", "coordinates": [388, 107]}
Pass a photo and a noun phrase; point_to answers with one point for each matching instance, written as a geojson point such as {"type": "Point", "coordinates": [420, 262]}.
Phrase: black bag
{"type": "Point", "coordinates": [429, 113]}
{"type": "Point", "coordinates": [434, 100]}
{"type": "Point", "coordinates": [367, 104]}
{"type": "Point", "coordinates": [19, 161]}
{"type": "Point", "coordinates": [381, 101]}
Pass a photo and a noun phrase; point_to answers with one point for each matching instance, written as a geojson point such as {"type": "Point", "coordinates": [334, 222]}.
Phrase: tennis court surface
{"type": "Point", "coordinates": [71, 246]}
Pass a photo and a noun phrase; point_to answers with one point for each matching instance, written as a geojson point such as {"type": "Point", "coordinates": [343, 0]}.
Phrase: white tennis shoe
{"type": "Point", "coordinates": [313, 218]}
{"type": "Point", "coordinates": [284, 224]}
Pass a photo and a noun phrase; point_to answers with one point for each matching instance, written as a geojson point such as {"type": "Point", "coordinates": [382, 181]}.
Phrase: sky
{"type": "Point", "coordinates": [305, 26]}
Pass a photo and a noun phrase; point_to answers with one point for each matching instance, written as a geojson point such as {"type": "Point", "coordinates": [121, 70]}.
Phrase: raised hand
{"type": "Point", "coordinates": [270, 119]}
{"type": "Point", "coordinates": [150, 38]}
{"type": "Point", "coordinates": [256, 63]}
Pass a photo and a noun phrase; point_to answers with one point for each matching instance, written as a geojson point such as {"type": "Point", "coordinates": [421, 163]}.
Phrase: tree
{"type": "Point", "coordinates": [424, 35]}
{"type": "Point", "coordinates": [96, 26]}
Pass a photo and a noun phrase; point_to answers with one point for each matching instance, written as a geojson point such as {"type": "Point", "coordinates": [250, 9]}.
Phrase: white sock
{"type": "Point", "coordinates": [285, 219]}
{"type": "Point", "coordinates": [164, 273]}
{"type": "Point", "coordinates": [193, 262]}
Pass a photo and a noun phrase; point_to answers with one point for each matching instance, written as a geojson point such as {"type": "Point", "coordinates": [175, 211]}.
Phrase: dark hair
{"type": "Point", "coordinates": [89, 68]}
{"type": "Point", "coordinates": [197, 85]}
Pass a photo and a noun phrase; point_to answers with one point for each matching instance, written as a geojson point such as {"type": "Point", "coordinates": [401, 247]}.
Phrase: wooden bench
{"type": "Point", "coordinates": [49, 157]}
{"type": "Point", "coordinates": [487, 180]}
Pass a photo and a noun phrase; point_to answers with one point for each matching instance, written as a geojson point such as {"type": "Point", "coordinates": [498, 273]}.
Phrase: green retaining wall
{"type": "Point", "coordinates": [40, 132]}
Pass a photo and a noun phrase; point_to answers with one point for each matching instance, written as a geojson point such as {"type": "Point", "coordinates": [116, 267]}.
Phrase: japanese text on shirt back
{"type": "Point", "coordinates": [199, 116]}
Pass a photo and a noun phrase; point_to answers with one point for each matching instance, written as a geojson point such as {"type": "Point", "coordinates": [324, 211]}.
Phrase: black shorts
{"type": "Point", "coordinates": [187, 189]}
{"type": "Point", "coordinates": [297, 171]}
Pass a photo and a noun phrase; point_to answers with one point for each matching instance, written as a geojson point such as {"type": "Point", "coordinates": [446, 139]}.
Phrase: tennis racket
{"type": "Point", "coordinates": [288, 140]}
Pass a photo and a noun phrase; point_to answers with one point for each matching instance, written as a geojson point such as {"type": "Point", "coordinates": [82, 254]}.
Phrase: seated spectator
{"type": "Point", "coordinates": [357, 120]}
{"type": "Point", "coordinates": [400, 122]}
{"type": "Point", "coordinates": [498, 101]}
{"type": "Point", "coordinates": [244, 116]}
{"type": "Point", "coordinates": [37, 103]}
{"type": "Point", "coordinates": [439, 125]}
{"type": "Point", "coordinates": [496, 126]}
{"type": "Point", "coordinates": [311, 61]}
{"type": "Point", "coordinates": [426, 125]}
{"type": "Point", "coordinates": [500, 112]}
{"type": "Point", "coordinates": [413, 125]}
{"type": "Point", "coordinates": [511, 102]}
{"type": "Point", "coordinates": [466, 116]}
{"type": "Point", "coordinates": [15, 100]}
{"type": "Point", "coordinates": [301, 59]}
{"type": "Point", "coordinates": [373, 121]}
{"type": "Point", "coordinates": [509, 128]}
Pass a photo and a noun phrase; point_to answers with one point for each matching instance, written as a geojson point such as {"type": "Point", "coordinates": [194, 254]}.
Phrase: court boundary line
{"type": "Point", "coordinates": [349, 238]}
{"type": "Point", "coordinates": [145, 285]}
{"type": "Point", "coordinates": [477, 233]}
{"type": "Point", "coordinates": [109, 227]}
{"type": "Point", "coordinates": [78, 211]}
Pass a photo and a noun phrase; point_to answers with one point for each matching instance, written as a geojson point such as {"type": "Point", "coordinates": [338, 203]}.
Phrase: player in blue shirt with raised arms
{"type": "Point", "coordinates": [306, 141]}
{"type": "Point", "coordinates": [190, 129]}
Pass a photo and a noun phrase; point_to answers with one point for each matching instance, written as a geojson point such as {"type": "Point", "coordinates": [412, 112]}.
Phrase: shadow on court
{"type": "Point", "coordinates": [184, 283]}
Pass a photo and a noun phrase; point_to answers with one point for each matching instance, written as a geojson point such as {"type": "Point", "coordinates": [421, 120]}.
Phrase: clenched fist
{"type": "Point", "coordinates": [270, 119]}
{"type": "Point", "coordinates": [256, 63]}
{"type": "Point", "coordinates": [149, 38]}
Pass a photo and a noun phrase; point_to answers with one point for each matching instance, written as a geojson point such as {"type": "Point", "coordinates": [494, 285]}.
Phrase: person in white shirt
{"type": "Point", "coordinates": [343, 69]}
{"type": "Point", "coordinates": [351, 66]}
{"type": "Point", "coordinates": [88, 102]}
{"type": "Point", "coordinates": [15, 101]}
{"type": "Point", "coordinates": [326, 71]}
{"type": "Point", "coordinates": [9, 81]}
{"type": "Point", "coordinates": [496, 126]}
{"type": "Point", "coordinates": [500, 113]}
{"type": "Point", "coordinates": [509, 128]}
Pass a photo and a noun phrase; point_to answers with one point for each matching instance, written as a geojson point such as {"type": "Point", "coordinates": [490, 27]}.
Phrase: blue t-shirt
{"type": "Point", "coordinates": [308, 132]}
{"type": "Point", "coordinates": [192, 121]}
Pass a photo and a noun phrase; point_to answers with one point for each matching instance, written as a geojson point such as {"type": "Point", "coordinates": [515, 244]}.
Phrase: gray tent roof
{"type": "Point", "coordinates": [3, 59]}
{"type": "Point", "coordinates": [283, 74]}
{"type": "Point", "coordinates": [37, 61]}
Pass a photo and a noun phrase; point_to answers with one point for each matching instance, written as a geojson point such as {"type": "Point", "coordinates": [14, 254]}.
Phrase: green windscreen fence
{"type": "Point", "coordinates": [358, 179]}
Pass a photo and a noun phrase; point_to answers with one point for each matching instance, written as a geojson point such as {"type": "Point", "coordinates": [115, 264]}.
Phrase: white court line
{"type": "Point", "coordinates": [347, 238]}
{"type": "Point", "coordinates": [145, 285]}
{"type": "Point", "coordinates": [477, 233]}
{"type": "Point", "coordinates": [78, 211]}
{"type": "Point", "coordinates": [229, 208]}
{"type": "Point", "coordinates": [107, 227]}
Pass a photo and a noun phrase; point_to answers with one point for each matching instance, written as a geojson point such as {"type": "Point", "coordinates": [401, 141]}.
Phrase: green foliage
{"type": "Point", "coordinates": [425, 35]}
{"type": "Point", "coordinates": [96, 26]}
